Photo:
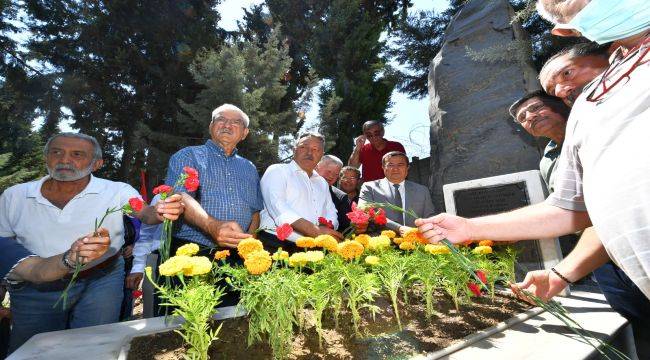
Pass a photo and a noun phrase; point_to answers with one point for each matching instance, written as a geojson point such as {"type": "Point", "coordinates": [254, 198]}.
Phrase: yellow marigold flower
{"type": "Point", "coordinates": [415, 236]}
{"type": "Point", "coordinates": [436, 249]}
{"type": "Point", "coordinates": [363, 239]}
{"type": "Point", "coordinates": [486, 243]}
{"type": "Point", "coordinates": [280, 255]}
{"type": "Point", "coordinates": [306, 242]}
{"type": "Point", "coordinates": [372, 260]}
{"type": "Point", "coordinates": [326, 242]}
{"type": "Point", "coordinates": [314, 256]}
{"type": "Point", "coordinates": [199, 265]}
{"type": "Point", "coordinates": [298, 259]}
{"type": "Point", "coordinates": [258, 262]}
{"type": "Point", "coordinates": [378, 242]}
{"type": "Point", "coordinates": [219, 255]}
{"type": "Point", "coordinates": [174, 265]}
{"type": "Point", "coordinates": [407, 245]}
{"type": "Point", "coordinates": [188, 249]}
{"type": "Point", "coordinates": [397, 240]}
{"type": "Point", "coordinates": [247, 246]}
{"type": "Point", "coordinates": [482, 250]}
{"type": "Point", "coordinates": [389, 233]}
{"type": "Point", "coordinates": [350, 249]}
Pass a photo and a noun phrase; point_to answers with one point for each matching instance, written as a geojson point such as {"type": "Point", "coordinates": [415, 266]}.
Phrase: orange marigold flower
{"type": "Point", "coordinates": [327, 242]}
{"type": "Point", "coordinates": [219, 255]}
{"type": "Point", "coordinates": [363, 239]}
{"type": "Point", "coordinates": [258, 262]}
{"type": "Point", "coordinates": [247, 246]}
{"type": "Point", "coordinates": [306, 242]}
{"type": "Point", "coordinates": [398, 240]}
{"type": "Point", "coordinates": [486, 243]}
{"type": "Point", "coordinates": [350, 249]}
{"type": "Point", "coordinates": [407, 245]}
{"type": "Point", "coordinates": [415, 236]}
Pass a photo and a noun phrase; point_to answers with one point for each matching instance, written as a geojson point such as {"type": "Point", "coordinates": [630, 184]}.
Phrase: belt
{"type": "Point", "coordinates": [102, 265]}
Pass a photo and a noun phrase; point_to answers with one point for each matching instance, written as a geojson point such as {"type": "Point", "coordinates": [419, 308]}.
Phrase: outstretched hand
{"type": "Point", "coordinates": [454, 228]}
{"type": "Point", "coordinates": [541, 283]}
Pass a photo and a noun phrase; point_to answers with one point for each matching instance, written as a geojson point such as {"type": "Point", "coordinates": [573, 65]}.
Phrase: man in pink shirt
{"type": "Point", "coordinates": [369, 155]}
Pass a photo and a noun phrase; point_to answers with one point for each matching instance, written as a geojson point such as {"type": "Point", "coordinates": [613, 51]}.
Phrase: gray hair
{"type": "Point", "coordinates": [350, 168]}
{"type": "Point", "coordinates": [331, 159]}
{"type": "Point", "coordinates": [97, 149]}
{"type": "Point", "coordinates": [548, 14]}
{"type": "Point", "coordinates": [370, 123]}
{"type": "Point", "coordinates": [218, 112]}
{"type": "Point", "coordinates": [311, 134]}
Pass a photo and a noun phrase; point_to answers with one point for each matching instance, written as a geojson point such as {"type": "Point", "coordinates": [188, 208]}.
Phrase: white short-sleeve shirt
{"type": "Point", "coordinates": [46, 230]}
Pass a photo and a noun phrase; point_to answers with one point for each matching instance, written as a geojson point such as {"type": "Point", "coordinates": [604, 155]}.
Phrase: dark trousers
{"type": "Point", "coordinates": [230, 297]}
{"type": "Point", "coordinates": [626, 299]}
{"type": "Point", "coordinates": [272, 243]}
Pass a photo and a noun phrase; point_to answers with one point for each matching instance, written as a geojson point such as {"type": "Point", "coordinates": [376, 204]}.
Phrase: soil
{"type": "Point", "coordinates": [381, 338]}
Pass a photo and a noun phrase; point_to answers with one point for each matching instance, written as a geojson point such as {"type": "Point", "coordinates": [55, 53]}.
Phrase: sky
{"type": "Point", "coordinates": [409, 119]}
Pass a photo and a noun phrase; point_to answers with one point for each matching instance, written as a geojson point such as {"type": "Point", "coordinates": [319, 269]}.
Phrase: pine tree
{"type": "Point", "coordinates": [121, 67]}
{"type": "Point", "coordinates": [247, 74]}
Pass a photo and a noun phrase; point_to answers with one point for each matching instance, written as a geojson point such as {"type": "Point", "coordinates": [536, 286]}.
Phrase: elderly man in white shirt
{"type": "Point", "coordinates": [295, 194]}
{"type": "Point", "coordinates": [46, 216]}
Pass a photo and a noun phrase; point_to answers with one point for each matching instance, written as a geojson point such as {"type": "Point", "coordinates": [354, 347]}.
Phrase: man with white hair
{"type": "Point", "coordinates": [329, 167]}
{"type": "Point", "coordinates": [229, 196]}
{"type": "Point", "coordinates": [603, 170]}
{"type": "Point", "coordinates": [46, 216]}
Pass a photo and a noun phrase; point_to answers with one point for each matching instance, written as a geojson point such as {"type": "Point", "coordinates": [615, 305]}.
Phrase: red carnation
{"type": "Point", "coordinates": [357, 216]}
{"type": "Point", "coordinates": [191, 183]}
{"type": "Point", "coordinates": [162, 189]}
{"type": "Point", "coordinates": [474, 288]}
{"type": "Point", "coordinates": [283, 231]}
{"type": "Point", "coordinates": [136, 294]}
{"type": "Point", "coordinates": [136, 204]}
{"type": "Point", "coordinates": [380, 218]}
{"type": "Point", "coordinates": [325, 222]}
{"type": "Point", "coordinates": [191, 172]}
{"type": "Point", "coordinates": [481, 275]}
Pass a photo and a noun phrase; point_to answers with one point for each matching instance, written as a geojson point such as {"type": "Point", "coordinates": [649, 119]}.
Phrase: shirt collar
{"type": "Point", "coordinates": [295, 167]}
{"type": "Point", "coordinates": [218, 149]}
{"type": "Point", "coordinates": [401, 185]}
{"type": "Point", "coordinates": [34, 191]}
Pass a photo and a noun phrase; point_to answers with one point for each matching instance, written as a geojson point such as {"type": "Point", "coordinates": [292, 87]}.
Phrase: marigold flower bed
{"type": "Point", "coordinates": [381, 337]}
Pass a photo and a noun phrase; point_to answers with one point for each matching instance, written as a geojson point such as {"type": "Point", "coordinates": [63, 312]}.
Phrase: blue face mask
{"type": "Point", "coordinates": [604, 21]}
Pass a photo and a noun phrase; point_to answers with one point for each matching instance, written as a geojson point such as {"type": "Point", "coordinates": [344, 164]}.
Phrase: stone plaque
{"type": "Point", "coordinates": [503, 193]}
{"type": "Point", "coordinates": [490, 199]}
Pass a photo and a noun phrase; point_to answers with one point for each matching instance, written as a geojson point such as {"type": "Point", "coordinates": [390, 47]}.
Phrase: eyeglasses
{"type": "Point", "coordinates": [532, 108]}
{"type": "Point", "coordinates": [602, 88]}
{"type": "Point", "coordinates": [223, 121]}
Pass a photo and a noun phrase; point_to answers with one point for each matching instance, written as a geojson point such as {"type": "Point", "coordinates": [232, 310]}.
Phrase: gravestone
{"type": "Point", "coordinates": [472, 134]}
{"type": "Point", "coordinates": [503, 193]}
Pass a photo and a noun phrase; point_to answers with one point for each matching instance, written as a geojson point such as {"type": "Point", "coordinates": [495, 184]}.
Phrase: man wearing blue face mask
{"type": "Point", "coordinates": [603, 173]}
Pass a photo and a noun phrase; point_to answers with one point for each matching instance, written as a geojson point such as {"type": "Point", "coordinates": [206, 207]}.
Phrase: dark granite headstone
{"type": "Point", "coordinates": [472, 134]}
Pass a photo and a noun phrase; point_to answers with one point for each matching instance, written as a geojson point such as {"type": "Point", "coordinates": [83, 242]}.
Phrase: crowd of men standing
{"type": "Point", "coordinates": [592, 106]}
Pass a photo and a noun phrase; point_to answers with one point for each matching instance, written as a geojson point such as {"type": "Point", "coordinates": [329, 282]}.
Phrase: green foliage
{"type": "Point", "coordinates": [248, 75]}
{"type": "Point", "coordinates": [16, 169]}
{"type": "Point", "coordinates": [195, 301]}
{"type": "Point", "coordinates": [427, 270]}
{"type": "Point", "coordinates": [392, 271]}
{"type": "Point", "coordinates": [117, 66]}
{"type": "Point", "coordinates": [273, 301]}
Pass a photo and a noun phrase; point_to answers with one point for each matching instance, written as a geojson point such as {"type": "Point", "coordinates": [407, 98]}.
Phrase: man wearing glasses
{"type": "Point", "coordinates": [369, 155]}
{"type": "Point", "coordinates": [603, 170]}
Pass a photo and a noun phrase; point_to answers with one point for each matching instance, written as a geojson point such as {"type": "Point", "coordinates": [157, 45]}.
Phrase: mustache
{"type": "Point", "coordinates": [64, 167]}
